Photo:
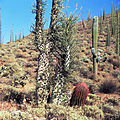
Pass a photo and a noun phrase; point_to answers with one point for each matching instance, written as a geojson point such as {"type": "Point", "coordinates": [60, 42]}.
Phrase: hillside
{"type": "Point", "coordinates": [18, 65]}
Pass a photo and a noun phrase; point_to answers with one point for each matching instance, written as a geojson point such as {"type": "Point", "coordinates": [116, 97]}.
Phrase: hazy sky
{"type": "Point", "coordinates": [18, 12]}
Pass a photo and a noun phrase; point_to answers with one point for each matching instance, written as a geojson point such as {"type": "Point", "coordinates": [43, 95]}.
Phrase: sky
{"type": "Point", "coordinates": [19, 13]}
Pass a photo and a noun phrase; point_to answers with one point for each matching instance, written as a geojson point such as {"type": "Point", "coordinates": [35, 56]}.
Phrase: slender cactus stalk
{"type": "Point", "coordinates": [112, 21]}
{"type": "Point", "coordinates": [10, 36]}
{"type": "Point", "coordinates": [94, 44]}
{"type": "Point", "coordinates": [20, 36]}
{"type": "Point", "coordinates": [13, 33]}
{"type": "Point", "coordinates": [118, 34]}
{"type": "Point", "coordinates": [15, 37]}
{"type": "Point", "coordinates": [101, 28]}
{"type": "Point", "coordinates": [108, 37]}
{"type": "Point", "coordinates": [104, 13]}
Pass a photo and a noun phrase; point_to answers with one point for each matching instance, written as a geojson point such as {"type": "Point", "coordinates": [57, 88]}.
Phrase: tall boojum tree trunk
{"type": "Point", "coordinates": [43, 62]}
{"type": "Point", "coordinates": [56, 76]}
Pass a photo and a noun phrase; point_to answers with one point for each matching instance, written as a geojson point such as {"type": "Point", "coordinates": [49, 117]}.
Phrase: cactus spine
{"type": "Point", "coordinates": [118, 34]}
{"type": "Point", "coordinates": [108, 37]}
{"type": "Point", "coordinates": [94, 44]}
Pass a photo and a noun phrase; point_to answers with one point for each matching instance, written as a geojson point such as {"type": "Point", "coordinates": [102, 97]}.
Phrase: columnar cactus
{"type": "Point", "coordinates": [15, 37]}
{"type": "Point", "coordinates": [101, 25]}
{"type": "Point", "coordinates": [118, 34]}
{"type": "Point", "coordinates": [112, 21]}
{"type": "Point", "coordinates": [79, 95]}
{"type": "Point", "coordinates": [108, 37]}
{"type": "Point", "coordinates": [10, 36]}
{"type": "Point", "coordinates": [104, 13]}
{"type": "Point", "coordinates": [12, 33]}
{"type": "Point", "coordinates": [20, 36]}
{"type": "Point", "coordinates": [94, 44]}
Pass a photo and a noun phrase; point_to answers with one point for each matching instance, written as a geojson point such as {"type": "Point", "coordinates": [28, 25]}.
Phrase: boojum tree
{"type": "Point", "coordinates": [43, 62]}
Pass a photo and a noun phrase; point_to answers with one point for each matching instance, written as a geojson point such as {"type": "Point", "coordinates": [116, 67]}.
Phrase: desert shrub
{"type": "Point", "coordinates": [14, 96]}
{"type": "Point", "coordinates": [110, 112]}
{"type": "Point", "coordinates": [15, 115]}
{"type": "Point", "coordinates": [108, 86]}
{"type": "Point", "coordinates": [17, 81]}
{"type": "Point", "coordinates": [113, 101]}
{"type": "Point", "coordinates": [29, 65]}
{"type": "Point", "coordinates": [10, 69]}
{"type": "Point", "coordinates": [93, 99]}
{"type": "Point", "coordinates": [93, 111]}
{"type": "Point", "coordinates": [20, 55]}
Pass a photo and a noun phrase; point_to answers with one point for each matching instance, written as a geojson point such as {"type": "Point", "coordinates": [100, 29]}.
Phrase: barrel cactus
{"type": "Point", "coordinates": [79, 95]}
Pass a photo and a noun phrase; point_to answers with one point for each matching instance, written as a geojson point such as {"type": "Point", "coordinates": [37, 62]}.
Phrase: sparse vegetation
{"type": "Point", "coordinates": [19, 64]}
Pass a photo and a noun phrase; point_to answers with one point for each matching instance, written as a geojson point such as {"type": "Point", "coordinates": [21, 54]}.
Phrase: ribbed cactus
{"type": "Point", "coordinates": [108, 37]}
{"type": "Point", "coordinates": [112, 21]}
{"type": "Point", "coordinates": [13, 33]}
{"type": "Point", "coordinates": [118, 33]}
{"type": "Point", "coordinates": [104, 13]}
{"type": "Point", "coordinates": [94, 44]}
{"type": "Point", "coordinates": [79, 95]}
{"type": "Point", "coordinates": [20, 36]}
{"type": "Point", "coordinates": [101, 28]}
{"type": "Point", "coordinates": [15, 37]}
{"type": "Point", "coordinates": [10, 36]}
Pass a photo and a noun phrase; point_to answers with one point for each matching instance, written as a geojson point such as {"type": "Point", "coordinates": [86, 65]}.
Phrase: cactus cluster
{"type": "Point", "coordinates": [79, 95]}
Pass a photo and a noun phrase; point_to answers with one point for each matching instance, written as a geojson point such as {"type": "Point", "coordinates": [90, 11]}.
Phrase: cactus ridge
{"type": "Point", "coordinates": [79, 95]}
